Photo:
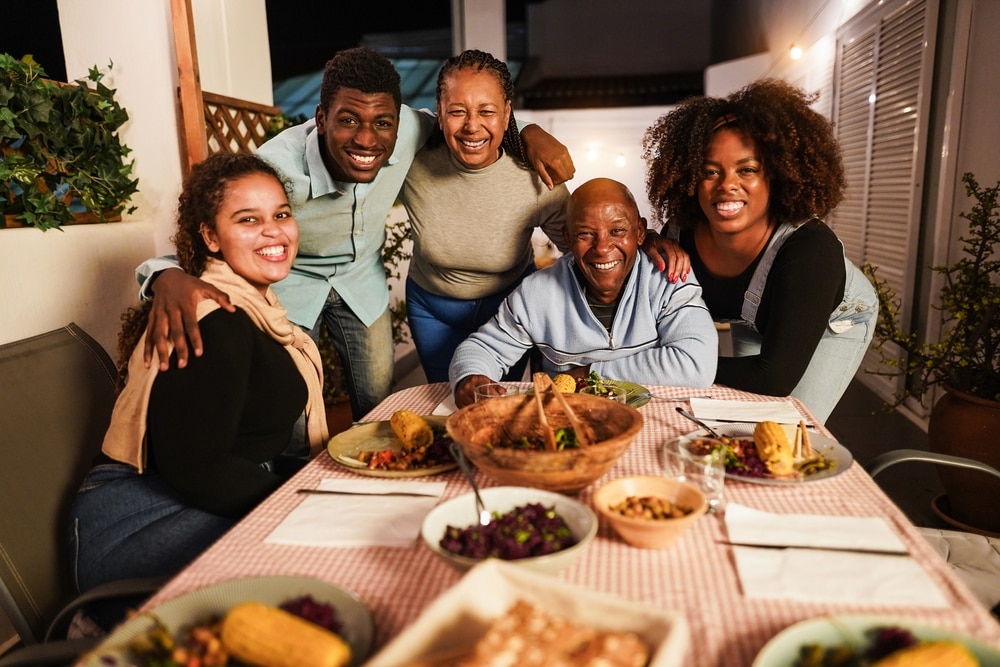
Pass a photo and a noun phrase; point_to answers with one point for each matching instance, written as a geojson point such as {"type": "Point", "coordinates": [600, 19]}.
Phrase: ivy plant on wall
{"type": "Point", "coordinates": [60, 154]}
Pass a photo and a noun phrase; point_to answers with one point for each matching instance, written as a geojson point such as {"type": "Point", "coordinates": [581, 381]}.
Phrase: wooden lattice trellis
{"type": "Point", "coordinates": [235, 126]}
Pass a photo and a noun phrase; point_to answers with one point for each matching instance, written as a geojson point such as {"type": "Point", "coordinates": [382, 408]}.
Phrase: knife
{"type": "Point", "coordinates": [856, 550]}
{"type": "Point", "coordinates": [422, 494]}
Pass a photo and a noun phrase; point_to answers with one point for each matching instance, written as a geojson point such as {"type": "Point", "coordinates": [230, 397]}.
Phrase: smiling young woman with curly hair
{"type": "Point", "coordinates": [746, 180]}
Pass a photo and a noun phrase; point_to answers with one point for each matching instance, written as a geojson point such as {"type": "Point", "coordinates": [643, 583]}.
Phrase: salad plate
{"type": "Point", "coordinates": [636, 395]}
{"type": "Point", "coordinates": [836, 631]}
{"type": "Point", "coordinates": [344, 447]}
{"type": "Point", "coordinates": [831, 449]}
{"type": "Point", "coordinates": [357, 626]}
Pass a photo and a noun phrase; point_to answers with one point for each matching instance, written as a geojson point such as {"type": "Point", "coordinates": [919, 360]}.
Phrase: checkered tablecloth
{"type": "Point", "coordinates": [696, 575]}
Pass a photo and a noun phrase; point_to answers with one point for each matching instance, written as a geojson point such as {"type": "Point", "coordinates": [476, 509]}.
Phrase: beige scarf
{"type": "Point", "coordinates": [125, 440]}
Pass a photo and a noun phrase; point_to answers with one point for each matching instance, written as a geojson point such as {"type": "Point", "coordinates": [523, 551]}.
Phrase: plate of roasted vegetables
{"type": "Point", "coordinates": [771, 453]}
{"type": "Point", "coordinates": [872, 641]}
{"type": "Point", "coordinates": [408, 445]}
{"type": "Point", "coordinates": [273, 620]}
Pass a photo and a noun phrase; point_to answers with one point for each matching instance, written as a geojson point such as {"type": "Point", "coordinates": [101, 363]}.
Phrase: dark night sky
{"type": "Point", "coordinates": [304, 34]}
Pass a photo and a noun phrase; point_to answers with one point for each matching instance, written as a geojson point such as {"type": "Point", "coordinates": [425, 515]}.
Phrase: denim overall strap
{"type": "Point", "coordinates": [751, 299]}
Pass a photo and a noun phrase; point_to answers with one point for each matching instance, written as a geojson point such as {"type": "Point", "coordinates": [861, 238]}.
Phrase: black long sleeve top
{"type": "Point", "coordinates": [805, 284]}
{"type": "Point", "coordinates": [212, 424]}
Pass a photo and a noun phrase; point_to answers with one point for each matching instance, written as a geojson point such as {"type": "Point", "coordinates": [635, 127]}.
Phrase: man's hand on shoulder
{"type": "Point", "coordinates": [173, 317]}
{"type": "Point", "coordinates": [548, 157]}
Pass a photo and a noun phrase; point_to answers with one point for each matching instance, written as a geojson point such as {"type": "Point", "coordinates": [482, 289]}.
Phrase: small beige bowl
{"type": "Point", "coordinates": [650, 533]}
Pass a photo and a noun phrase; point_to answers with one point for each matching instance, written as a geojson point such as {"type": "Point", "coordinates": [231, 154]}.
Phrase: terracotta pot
{"type": "Point", "coordinates": [965, 425]}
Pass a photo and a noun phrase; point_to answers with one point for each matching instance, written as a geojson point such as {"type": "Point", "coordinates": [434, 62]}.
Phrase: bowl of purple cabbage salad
{"type": "Point", "coordinates": [541, 530]}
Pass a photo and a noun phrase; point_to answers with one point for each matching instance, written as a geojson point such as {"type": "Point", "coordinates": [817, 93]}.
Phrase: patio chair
{"type": "Point", "coordinates": [57, 390]}
{"type": "Point", "coordinates": [975, 558]}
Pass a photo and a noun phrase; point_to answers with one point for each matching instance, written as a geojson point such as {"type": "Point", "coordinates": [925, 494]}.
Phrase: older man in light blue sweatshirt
{"type": "Point", "coordinates": [605, 308]}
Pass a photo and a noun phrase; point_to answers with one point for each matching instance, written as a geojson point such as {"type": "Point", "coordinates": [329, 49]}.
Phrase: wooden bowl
{"type": "Point", "coordinates": [650, 533]}
{"type": "Point", "coordinates": [480, 426]}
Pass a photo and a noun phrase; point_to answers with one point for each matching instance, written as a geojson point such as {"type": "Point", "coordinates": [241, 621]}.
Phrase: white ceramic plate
{"type": "Point", "coordinates": [459, 617]}
{"type": "Point", "coordinates": [357, 627]}
{"type": "Point", "coordinates": [832, 631]}
{"type": "Point", "coordinates": [461, 512]}
{"type": "Point", "coordinates": [374, 436]}
{"type": "Point", "coordinates": [829, 447]}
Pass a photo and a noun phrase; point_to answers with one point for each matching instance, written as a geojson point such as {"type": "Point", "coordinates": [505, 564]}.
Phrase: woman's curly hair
{"type": "Point", "coordinates": [480, 60]}
{"type": "Point", "coordinates": [801, 157]}
{"type": "Point", "coordinates": [201, 198]}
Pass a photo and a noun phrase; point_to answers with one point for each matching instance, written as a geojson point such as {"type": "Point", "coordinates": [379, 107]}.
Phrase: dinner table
{"type": "Point", "coordinates": [696, 576]}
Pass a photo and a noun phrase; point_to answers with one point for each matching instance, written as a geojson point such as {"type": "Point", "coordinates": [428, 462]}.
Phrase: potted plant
{"type": "Point", "coordinates": [60, 155]}
{"type": "Point", "coordinates": [965, 362]}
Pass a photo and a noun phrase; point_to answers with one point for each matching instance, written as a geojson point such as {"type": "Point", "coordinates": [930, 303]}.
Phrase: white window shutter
{"type": "Point", "coordinates": [881, 106]}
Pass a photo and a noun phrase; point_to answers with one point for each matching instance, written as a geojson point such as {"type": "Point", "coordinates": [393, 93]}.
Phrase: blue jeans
{"type": "Point", "coordinates": [439, 324]}
{"type": "Point", "coordinates": [367, 353]}
{"type": "Point", "coordinates": [124, 525]}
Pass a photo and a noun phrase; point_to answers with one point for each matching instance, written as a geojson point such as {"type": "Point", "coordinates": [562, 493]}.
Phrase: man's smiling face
{"type": "Point", "coordinates": [359, 133]}
{"type": "Point", "coordinates": [604, 232]}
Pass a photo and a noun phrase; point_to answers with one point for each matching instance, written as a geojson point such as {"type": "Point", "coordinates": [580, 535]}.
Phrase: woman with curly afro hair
{"type": "Point", "coordinates": [747, 180]}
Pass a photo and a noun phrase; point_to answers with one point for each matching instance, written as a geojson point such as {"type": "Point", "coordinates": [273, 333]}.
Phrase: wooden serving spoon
{"type": "Point", "coordinates": [584, 434]}
{"type": "Point", "coordinates": [547, 433]}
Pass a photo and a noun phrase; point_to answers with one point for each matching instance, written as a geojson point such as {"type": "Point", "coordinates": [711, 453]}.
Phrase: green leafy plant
{"type": "Point", "coordinates": [397, 250]}
{"type": "Point", "coordinates": [967, 357]}
{"type": "Point", "coordinates": [61, 154]}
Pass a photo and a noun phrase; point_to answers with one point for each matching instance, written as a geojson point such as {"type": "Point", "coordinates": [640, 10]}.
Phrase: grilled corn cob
{"type": "Point", "coordinates": [564, 383]}
{"type": "Point", "coordinates": [270, 637]}
{"type": "Point", "coordinates": [411, 429]}
{"type": "Point", "coordinates": [773, 448]}
{"type": "Point", "coordinates": [931, 654]}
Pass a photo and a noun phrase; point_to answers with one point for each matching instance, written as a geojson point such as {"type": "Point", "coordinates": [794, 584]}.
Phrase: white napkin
{"type": "Point", "coordinates": [709, 409]}
{"type": "Point", "coordinates": [359, 521]}
{"type": "Point", "coordinates": [446, 407]}
{"type": "Point", "coordinates": [746, 525]}
{"type": "Point", "coordinates": [818, 573]}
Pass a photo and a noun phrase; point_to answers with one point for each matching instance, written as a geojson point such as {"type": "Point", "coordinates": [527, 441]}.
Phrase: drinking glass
{"type": "Point", "coordinates": [496, 389]}
{"type": "Point", "coordinates": [612, 393]}
{"type": "Point", "coordinates": [698, 461]}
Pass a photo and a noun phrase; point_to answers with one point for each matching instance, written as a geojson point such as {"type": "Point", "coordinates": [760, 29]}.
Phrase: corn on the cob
{"type": "Point", "coordinates": [564, 383]}
{"type": "Point", "coordinates": [773, 448]}
{"type": "Point", "coordinates": [931, 654]}
{"type": "Point", "coordinates": [411, 429]}
{"type": "Point", "coordinates": [270, 637]}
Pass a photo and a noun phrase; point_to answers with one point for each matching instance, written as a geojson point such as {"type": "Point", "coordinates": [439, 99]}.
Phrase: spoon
{"type": "Point", "coordinates": [463, 464]}
{"type": "Point", "coordinates": [711, 431]}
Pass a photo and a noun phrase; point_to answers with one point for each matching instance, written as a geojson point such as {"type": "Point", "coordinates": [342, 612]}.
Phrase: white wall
{"type": "Point", "coordinates": [85, 272]}
{"type": "Point", "coordinates": [603, 143]}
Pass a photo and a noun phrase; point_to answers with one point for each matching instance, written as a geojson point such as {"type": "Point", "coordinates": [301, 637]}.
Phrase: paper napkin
{"type": "Point", "coordinates": [816, 575]}
{"type": "Point", "coordinates": [812, 566]}
{"type": "Point", "coordinates": [359, 520]}
{"type": "Point", "coordinates": [446, 407]}
{"type": "Point", "coordinates": [782, 412]}
{"type": "Point", "coordinates": [749, 526]}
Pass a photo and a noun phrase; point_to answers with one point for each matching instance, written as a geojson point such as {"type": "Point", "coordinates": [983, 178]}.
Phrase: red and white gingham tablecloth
{"type": "Point", "coordinates": [696, 575]}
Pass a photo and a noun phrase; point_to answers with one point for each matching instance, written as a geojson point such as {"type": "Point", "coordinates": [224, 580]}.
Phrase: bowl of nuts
{"type": "Point", "coordinates": [650, 512]}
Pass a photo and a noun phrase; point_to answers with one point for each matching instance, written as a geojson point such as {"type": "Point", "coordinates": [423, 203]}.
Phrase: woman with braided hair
{"type": "Point", "coordinates": [473, 204]}
{"type": "Point", "coordinates": [747, 179]}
